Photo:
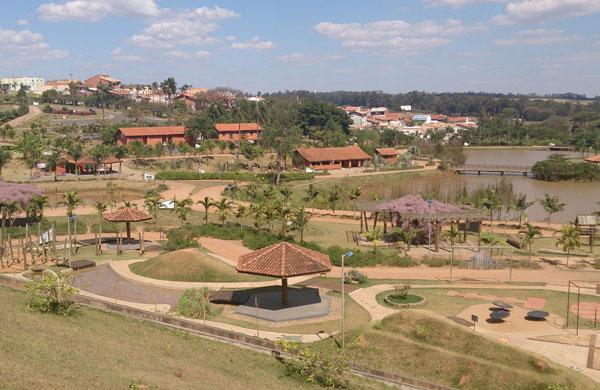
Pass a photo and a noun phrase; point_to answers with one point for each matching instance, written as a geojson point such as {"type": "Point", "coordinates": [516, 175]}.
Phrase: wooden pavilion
{"type": "Point", "coordinates": [284, 260]}
{"type": "Point", "coordinates": [410, 208]}
{"type": "Point", "coordinates": [127, 215]}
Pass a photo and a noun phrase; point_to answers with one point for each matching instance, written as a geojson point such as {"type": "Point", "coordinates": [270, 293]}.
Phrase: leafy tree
{"type": "Point", "coordinates": [568, 239]}
{"type": "Point", "coordinates": [5, 157]}
{"type": "Point", "coordinates": [490, 239]}
{"type": "Point", "coordinates": [551, 205]}
{"type": "Point", "coordinates": [492, 203]}
{"type": "Point", "coordinates": [375, 236]}
{"type": "Point", "coordinates": [353, 195]}
{"type": "Point", "coordinates": [312, 193]}
{"type": "Point", "coordinates": [99, 153]}
{"type": "Point", "coordinates": [152, 201]}
{"type": "Point", "coordinates": [521, 204]}
{"type": "Point", "coordinates": [75, 151]}
{"type": "Point", "coordinates": [182, 208]}
{"type": "Point", "coordinates": [30, 146]}
{"type": "Point", "coordinates": [529, 235]}
{"type": "Point", "coordinates": [207, 203]}
{"type": "Point", "coordinates": [333, 197]}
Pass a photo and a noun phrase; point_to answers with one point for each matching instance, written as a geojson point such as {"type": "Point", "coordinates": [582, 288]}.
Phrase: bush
{"type": "Point", "coordinates": [422, 332]}
{"type": "Point", "coordinates": [238, 176]}
{"type": "Point", "coordinates": [357, 276]}
{"type": "Point", "coordinates": [180, 239]}
{"type": "Point", "coordinates": [52, 294]}
{"type": "Point", "coordinates": [435, 262]}
{"type": "Point", "coordinates": [558, 168]}
{"type": "Point", "coordinates": [194, 303]}
{"type": "Point", "coordinates": [368, 258]}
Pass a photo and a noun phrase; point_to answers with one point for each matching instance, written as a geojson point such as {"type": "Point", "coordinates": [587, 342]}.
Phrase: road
{"type": "Point", "coordinates": [34, 111]}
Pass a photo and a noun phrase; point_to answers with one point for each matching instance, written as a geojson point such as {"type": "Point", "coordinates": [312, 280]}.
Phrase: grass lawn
{"type": "Point", "coordinates": [96, 349]}
{"type": "Point", "coordinates": [191, 265]}
{"type": "Point", "coordinates": [431, 349]}
{"type": "Point", "coordinates": [438, 302]}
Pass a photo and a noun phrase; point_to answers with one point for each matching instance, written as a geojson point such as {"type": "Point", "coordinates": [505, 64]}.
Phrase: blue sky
{"type": "Point", "coordinates": [523, 46]}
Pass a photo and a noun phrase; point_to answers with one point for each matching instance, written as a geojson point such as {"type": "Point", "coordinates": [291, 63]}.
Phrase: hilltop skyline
{"type": "Point", "coordinates": [518, 46]}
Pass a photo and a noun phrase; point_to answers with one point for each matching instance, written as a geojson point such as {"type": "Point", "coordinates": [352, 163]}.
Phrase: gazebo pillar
{"type": "Point", "coordinates": [284, 291]}
{"type": "Point", "coordinates": [128, 228]}
{"type": "Point", "coordinates": [438, 233]}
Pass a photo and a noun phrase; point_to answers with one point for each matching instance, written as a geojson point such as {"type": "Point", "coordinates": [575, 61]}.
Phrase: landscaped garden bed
{"type": "Point", "coordinates": [404, 301]}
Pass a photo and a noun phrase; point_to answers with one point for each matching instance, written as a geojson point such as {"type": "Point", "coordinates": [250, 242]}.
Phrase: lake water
{"type": "Point", "coordinates": [580, 198]}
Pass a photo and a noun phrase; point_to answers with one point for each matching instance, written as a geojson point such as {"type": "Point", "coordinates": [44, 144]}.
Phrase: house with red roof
{"type": "Point", "coordinates": [236, 131]}
{"type": "Point", "coordinates": [321, 159]}
{"type": "Point", "coordinates": [389, 155]}
{"type": "Point", "coordinates": [152, 135]}
{"type": "Point", "coordinates": [101, 79]}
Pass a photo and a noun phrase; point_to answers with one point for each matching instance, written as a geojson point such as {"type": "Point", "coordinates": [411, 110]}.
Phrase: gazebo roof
{"type": "Point", "coordinates": [414, 206]}
{"type": "Point", "coordinates": [127, 214]}
{"type": "Point", "coordinates": [284, 260]}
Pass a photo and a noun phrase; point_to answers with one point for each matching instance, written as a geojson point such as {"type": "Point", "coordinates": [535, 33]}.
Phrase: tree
{"type": "Point", "coordinates": [71, 200]}
{"type": "Point", "coordinates": [30, 145]}
{"type": "Point", "coordinates": [300, 220]}
{"type": "Point", "coordinates": [334, 196]}
{"type": "Point", "coordinates": [38, 204]}
{"type": "Point", "coordinates": [286, 193]}
{"type": "Point", "coordinates": [452, 235]}
{"type": "Point", "coordinates": [75, 151]}
{"type": "Point", "coordinates": [5, 157]}
{"type": "Point", "coordinates": [240, 212]}
{"type": "Point", "coordinates": [207, 203]}
{"type": "Point", "coordinates": [284, 213]}
{"type": "Point", "coordinates": [7, 131]}
{"type": "Point", "coordinates": [99, 153]}
{"type": "Point", "coordinates": [224, 208]}
{"type": "Point", "coordinates": [312, 193]}
{"type": "Point", "coordinates": [353, 195]}
{"type": "Point", "coordinates": [282, 137]}
{"type": "Point", "coordinates": [268, 212]}
{"type": "Point", "coordinates": [490, 239]}
{"type": "Point", "coordinates": [521, 204]}
{"type": "Point", "coordinates": [491, 203]}
{"type": "Point", "coordinates": [568, 239]}
{"type": "Point", "coordinates": [375, 236]}
{"type": "Point", "coordinates": [101, 208]}
{"type": "Point", "coordinates": [182, 208]}
{"type": "Point", "coordinates": [551, 205]}
{"type": "Point", "coordinates": [408, 236]}
{"type": "Point", "coordinates": [529, 235]}
{"type": "Point", "coordinates": [153, 201]}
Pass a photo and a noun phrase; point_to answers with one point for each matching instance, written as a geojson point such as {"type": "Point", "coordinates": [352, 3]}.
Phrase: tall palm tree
{"type": "Point", "coordinates": [551, 205]}
{"type": "Point", "coordinates": [568, 239]}
{"type": "Point", "coordinates": [529, 235]}
{"type": "Point", "coordinates": [75, 151]}
{"type": "Point", "coordinates": [101, 208]}
{"type": "Point", "coordinates": [452, 235]}
{"type": "Point", "coordinates": [224, 207]}
{"type": "Point", "coordinates": [268, 212]}
{"type": "Point", "coordinates": [152, 201]}
{"type": "Point", "coordinates": [521, 204]}
{"type": "Point", "coordinates": [300, 220]}
{"type": "Point", "coordinates": [71, 200]}
{"type": "Point", "coordinates": [333, 197]}
{"type": "Point", "coordinates": [240, 212]}
{"type": "Point", "coordinates": [182, 208]}
{"type": "Point", "coordinates": [492, 203]}
{"type": "Point", "coordinates": [353, 195]}
{"type": "Point", "coordinates": [207, 203]}
{"type": "Point", "coordinates": [284, 213]}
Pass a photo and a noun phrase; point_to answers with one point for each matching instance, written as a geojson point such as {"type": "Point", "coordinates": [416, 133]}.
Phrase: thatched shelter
{"type": "Point", "coordinates": [284, 260]}
{"type": "Point", "coordinates": [127, 215]}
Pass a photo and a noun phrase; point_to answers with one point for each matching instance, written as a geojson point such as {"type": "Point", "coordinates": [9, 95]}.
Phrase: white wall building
{"type": "Point", "coordinates": [14, 83]}
{"type": "Point", "coordinates": [406, 108]}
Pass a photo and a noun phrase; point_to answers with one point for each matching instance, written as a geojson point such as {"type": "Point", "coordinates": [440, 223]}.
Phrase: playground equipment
{"type": "Point", "coordinates": [21, 250]}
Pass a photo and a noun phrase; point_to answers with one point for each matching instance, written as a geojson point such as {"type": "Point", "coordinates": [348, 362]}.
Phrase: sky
{"type": "Point", "coordinates": [518, 46]}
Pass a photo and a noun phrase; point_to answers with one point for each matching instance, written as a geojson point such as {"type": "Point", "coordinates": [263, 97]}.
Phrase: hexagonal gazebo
{"type": "Point", "coordinates": [127, 215]}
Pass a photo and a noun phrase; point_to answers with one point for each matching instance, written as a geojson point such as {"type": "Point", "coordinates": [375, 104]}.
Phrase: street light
{"type": "Point", "coordinates": [429, 201]}
{"type": "Point", "coordinates": [347, 254]}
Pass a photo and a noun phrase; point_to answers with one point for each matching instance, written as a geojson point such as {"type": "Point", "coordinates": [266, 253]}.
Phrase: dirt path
{"type": "Point", "coordinates": [34, 111]}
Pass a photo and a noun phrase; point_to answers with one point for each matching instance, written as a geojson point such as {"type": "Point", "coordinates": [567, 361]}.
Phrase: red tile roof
{"type": "Point", "coordinates": [222, 127]}
{"type": "Point", "coordinates": [439, 117]}
{"type": "Point", "coordinates": [152, 131]}
{"type": "Point", "coordinates": [284, 260]}
{"type": "Point", "coordinates": [457, 119]}
{"type": "Point", "coordinates": [333, 154]}
{"type": "Point", "coordinates": [89, 160]}
{"type": "Point", "coordinates": [127, 214]}
{"type": "Point", "coordinates": [388, 152]}
{"type": "Point", "coordinates": [593, 159]}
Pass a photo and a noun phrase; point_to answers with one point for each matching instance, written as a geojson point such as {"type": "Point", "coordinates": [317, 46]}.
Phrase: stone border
{"type": "Point", "coordinates": [401, 305]}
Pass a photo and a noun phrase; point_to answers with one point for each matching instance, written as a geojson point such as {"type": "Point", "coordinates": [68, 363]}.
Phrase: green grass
{"type": "Point", "coordinates": [432, 349]}
{"type": "Point", "coordinates": [408, 299]}
{"type": "Point", "coordinates": [190, 265]}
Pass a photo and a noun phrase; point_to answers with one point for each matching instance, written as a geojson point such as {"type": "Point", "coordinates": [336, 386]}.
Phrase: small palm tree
{"type": "Point", "coordinates": [490, 239]}
{"type": "Point", "coordinates": [152, 201]}
{"type": "Point", "coordinates": [240, 212]}
{"type": "Point", "coordinates": [353, 195]}
{"type": "Point", "coordinates": [284, 213]}
{"type": "Point", "coordinates": [223, 207]}
{"type": "Point", "coordinates": [286, 193]}
{"type": "Point", "coordinates": [529, 235]}
{"type": "Point", "coordinates": [268, 211]}
{"type": "Point", "coordinates": [39, 203]}
{"type": "Point", "coordinates": [452, 235]}
{"type": "Point", "coordinates": [375, 236]}
{"type": "Point", "coordinates": [521, 204]}
{"type": "Point", "coordinates": [256, 210]}
{"type": "Point", "coordinates": [568, 239]}
{"type": "Point", "coordinates": [71, 199]}
{"type": "Point", "coordinates": [182, 208]}
{"type": "Point", "coordinates": [551, 205]}
{"type": "Point", "coordinates": [207, 203]}
{"type": "Point", "coordinates": [101, 208]}
{"type": "Point", "coordinates": [300, 220]}
{"type": "Point", "coordinates": [408, 235]}
{"type": "Point", "coordinates": [311, 194]}
{"type": "Point", "coordinates": [492, 203]}
{"type": "Point", "coordinates": [333, 197]}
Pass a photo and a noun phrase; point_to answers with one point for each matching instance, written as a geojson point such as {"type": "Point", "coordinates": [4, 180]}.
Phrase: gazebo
{"type": "Point", "coordinates": [284, 260]}
{"type": "Point", "coordinates": [127, 215]}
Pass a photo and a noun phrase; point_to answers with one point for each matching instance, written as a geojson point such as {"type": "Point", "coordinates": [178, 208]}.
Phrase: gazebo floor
{"type": "Point", "coordinates": [303, 303]}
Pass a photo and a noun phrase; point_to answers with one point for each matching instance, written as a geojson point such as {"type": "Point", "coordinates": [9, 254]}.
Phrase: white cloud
{"type": "Point", "coordinates": [292, 57]}
{"type": "Point", "coordinates": [536, 11]}
{"type": "Point", "coordinates": [393, 35]}
{"type": "Point", "coordinates": [183, 28]}
{"type": "Point", "coordinates": [117, 55]}
{"type": "Point", "coordinates": [96, 10]}
{"type": "Point", "coordinates": [184, 55]}
{"type": "Point", "coordinates": [230, 38]}
{"type": "Point", "coordinates": [537, 37]}
{"type": "Point", "coordinates": [460, 3]}
{"type": "Point", "coordinates": [21, 47]}
{"type": "Point", "coordinates": [22, 22]}
{"type": "Point", "coordinates": [254, 44]}
{"type": "Point", "coordinates": [306, 58]}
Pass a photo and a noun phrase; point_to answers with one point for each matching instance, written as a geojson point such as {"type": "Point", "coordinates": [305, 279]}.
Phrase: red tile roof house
{"type": "Point", "coordinates": [388, 155]}
{"type": "Point", "coordinates": [233, 131]}
{"type": "Point", "coordinates": [332, 158]}
{"type": "Point", "coordinates": [152, 135]}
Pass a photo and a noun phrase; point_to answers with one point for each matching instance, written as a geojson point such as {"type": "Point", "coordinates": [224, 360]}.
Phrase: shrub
{"type": "Point", "coordinates": [238, 176]}
{"type": "Point", "coordinates": [401, 290]}
{"type": "Point", "coordinates": [368, 258]}
{"type": "Point", "coordinates": [357, 276]}
{"type": "Point", "coordinates": [52, 294]}
{"type": "Point", "coordinates": [558, 168]}
{"type": "Point", "coordinates": [180, 239]}
{"type": "Point", "coordinates": [435, 262]}
{"type": "Point", "coordinates": [194, 303]}
{"type": "Point", "coordinates": [326, 369]}
{"type": "Point", "coordinates": [422, 332]}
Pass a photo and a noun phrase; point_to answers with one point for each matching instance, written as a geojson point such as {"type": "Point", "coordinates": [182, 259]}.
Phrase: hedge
{"type": "Point", "coordinates": [238, 176]}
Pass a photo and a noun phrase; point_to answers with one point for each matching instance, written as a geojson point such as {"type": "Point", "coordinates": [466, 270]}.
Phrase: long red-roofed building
{"type": "Point", "coordinates": [333, 158]}
{"type": "Point", "coordinates": [152, 135]}
{"type": "Point", "coordinates": [236, 131]}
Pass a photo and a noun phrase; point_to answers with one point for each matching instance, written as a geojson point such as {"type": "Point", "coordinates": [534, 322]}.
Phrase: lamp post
{"type": "Point", "coordinates": [429, 201]}
{"type": "Point", "coordinates": [347, 254]}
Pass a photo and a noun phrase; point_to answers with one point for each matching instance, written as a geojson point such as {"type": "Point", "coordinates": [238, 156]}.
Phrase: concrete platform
{"type": "Point", "coordinates": [303, 303]}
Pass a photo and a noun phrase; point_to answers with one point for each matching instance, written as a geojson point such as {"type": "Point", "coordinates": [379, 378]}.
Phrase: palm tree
{"type": "Point", "coordinates": [333, 197]}
{"type": "Point", "coordinates": [568, 239]}
{"type": "Point", "coordinates": [452, 235]}
{"type": "Point", "coordinates": [5, 157]}
{"type": "Point", "coordinates": [75, 150]}
{"type": "Point", "coordinates": [223, 207]}
{"type": "Point", "coordinates": [353, 195]}
{"type": "Point", "coordinates": [529, 235]}
{"type": "Point", "coordinates": [268, 212]}
{"type": "Point", "coordinates": [286, 193]}
{"type": "Point", "coordinates": [300, 220]}
{"type": "Point", "coordinates": [182, 208]}
{"type": "Point", "coordinates": [240, 212]}
{"type": "Point", "coordinates": [284, 213]}
{"type": "Point", "coordinates": [491, 203]}
{"type": "Point", "coordinates": [490, 239]}
{"type": "Point", "coordinates": [71, 200]}
{"type": "Point", "coordinates": [256, 210]}
{"type": "Point", "coordinates": [207, 203]}
{"type": "Point", "coordinates": [101, 208]}
{"type": "Point", "coordinates": [408, 235]}
{"type": "Point", "coordinates": [39, 203]}
{"type": "Point", "coordinates": [311, 194]}
{"type": "Point", "coordinates": [551, 205]}
{"type": "Point", "coordinates": [152, 201]}
{"type": "Point", "coordinates": [521, 204]}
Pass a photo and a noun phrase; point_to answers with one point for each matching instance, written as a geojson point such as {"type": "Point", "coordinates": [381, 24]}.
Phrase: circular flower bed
{"type": "Point", "coordinates": [399, 301]}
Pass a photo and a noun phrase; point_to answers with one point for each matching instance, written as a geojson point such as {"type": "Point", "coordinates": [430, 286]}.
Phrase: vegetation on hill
{"type": "Point", "coordinates": [558, 168]}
